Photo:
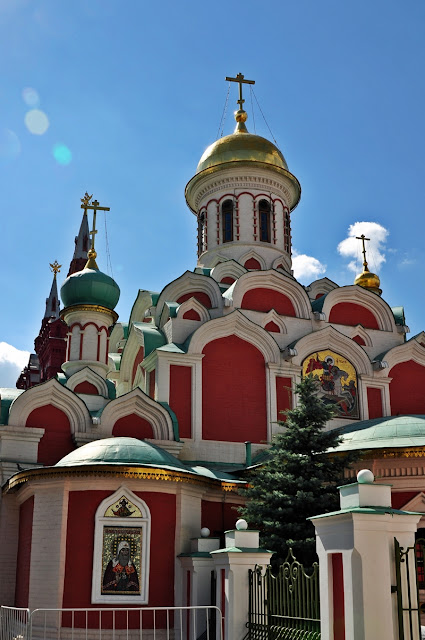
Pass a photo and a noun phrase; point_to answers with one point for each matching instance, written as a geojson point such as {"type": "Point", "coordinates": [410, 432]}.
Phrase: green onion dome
{"type": "Point", "coordinates": [90, 286]}
{"type": "Point", "coordinates": [122, 451]}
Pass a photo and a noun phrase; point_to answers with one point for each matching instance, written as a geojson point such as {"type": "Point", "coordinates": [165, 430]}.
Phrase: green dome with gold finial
{"type": "Point", "coordinates": [90, 286]}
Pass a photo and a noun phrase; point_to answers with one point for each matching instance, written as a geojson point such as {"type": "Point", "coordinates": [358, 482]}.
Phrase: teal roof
{"type": "Point", "coordinates": [122, 451]}
{"type": "Point", "coordinates": [153, 338]}
{"type": "Point", "coordinates": [398, 313]}
{"type": "Point", "coordinates": [317, 305]}
{"type": "Point", "coordinates": [7, 396]}
{"type": "Point", "coordinates": [90, 286]}
{"type": "Point", "coordinates": [116, 359]}
{"type": "Point", "coordinates": [383, 433]}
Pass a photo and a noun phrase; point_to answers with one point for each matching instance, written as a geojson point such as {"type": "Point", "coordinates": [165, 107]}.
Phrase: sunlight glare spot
{"type": "Point", "coordinates": [36, 122]}
{"type": "Point", "coordinates": [31, 97]}
{"type": "Point", "coordinates": [62, 154]}
{"type": "Point", "coordinates": [10, 147]}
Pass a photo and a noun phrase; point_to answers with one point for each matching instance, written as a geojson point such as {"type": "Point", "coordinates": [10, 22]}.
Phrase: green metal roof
{"type": "Point", "coordinates": [317, 305]}
{"type": "Point", "coordinates": [7, 396]}
{"type": "Point", "coordinates": [122, 451]}
{"type": "Point", "coordinates": [398, 313]}
{"type": "Point", "coordinates": [153, 338]}
{"type": "Point", "coordinates": [384, 433]}
{"type": "Point", "coordinates": [90, 286]}
{"type": "Point", "coordinates": [116, 359]}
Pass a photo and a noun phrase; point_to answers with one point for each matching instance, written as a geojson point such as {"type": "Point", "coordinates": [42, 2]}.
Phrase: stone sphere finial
{"type": "Point", "coordinates": [365, 476]}
{"type": "Point", "coordinates": [241, 525]}
{"type": "Point", "coordinates": [205, 532]}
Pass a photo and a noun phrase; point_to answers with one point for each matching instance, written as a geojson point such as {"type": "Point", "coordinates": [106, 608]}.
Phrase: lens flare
{"type": "Point", "coordinates": [36, 122]}
{"type": "Point", "coordinates": [31, 97]}
{"type": "Point", "coordinates": [10, 147]}
{"type": "Point", "coordinates": [62, 154]}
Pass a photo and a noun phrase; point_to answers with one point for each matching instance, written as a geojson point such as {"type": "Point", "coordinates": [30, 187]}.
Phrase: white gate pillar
{"type": "Point", "coordinates": [242, 552]}
{"type": "Point", "coordinates": [357, 562]}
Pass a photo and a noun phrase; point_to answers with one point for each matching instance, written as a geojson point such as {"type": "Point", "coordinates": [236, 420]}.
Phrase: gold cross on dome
{"type": "Point", "coordinates": [55, 267]}
{"type": "Point", "coordinates": [240, 79]}
{"type": "Point", "coordinates": [95, 206]}
{"type": "Point", "coordinates": [363, 238]}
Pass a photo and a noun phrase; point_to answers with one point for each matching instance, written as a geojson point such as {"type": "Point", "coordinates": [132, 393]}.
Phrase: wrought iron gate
{"type": "Point", "coordinates": [284, 606]}
{"type": "Point", "coordinates": [409, 568]}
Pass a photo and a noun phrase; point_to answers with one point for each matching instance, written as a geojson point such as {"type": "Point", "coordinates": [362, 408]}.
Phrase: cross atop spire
{"type": "Point", "coordinates": [55, 267]}
{"type": "Point", "coordinates": [87, 203]}
{"type": "Point", "coordinates": [240, 79]}
{"type": "Point", "coordinates": [363, 239]}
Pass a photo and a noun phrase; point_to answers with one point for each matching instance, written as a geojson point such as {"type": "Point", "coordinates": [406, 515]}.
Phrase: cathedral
{"type": "Point", "coordinates": [126, 437]}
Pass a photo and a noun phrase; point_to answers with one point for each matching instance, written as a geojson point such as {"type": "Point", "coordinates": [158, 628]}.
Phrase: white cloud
{"type": "Point", "coordinates": [12, 361]}
{"type": "Point", "coordinates": [375, 249]}
{"type": "Point", "coordinates": [306, 268]}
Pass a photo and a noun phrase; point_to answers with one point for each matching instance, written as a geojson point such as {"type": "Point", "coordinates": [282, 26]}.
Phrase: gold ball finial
{"type": "Point", "coordinates": [241, 115]}
{"type": "Point", "coordinates": [91, 262]}
{"type": "Point", "coordinates": [369, 280]}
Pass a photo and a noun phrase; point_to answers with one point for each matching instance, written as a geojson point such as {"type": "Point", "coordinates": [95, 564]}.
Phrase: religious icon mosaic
{"type": "Point", "coordinates": [121, 560]}
{"type": "Point", "coordinates": [336, 381]}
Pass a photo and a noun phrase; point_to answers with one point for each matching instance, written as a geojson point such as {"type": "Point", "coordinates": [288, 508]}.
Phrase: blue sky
{"type": "Point", "coordinates": [132, 92]}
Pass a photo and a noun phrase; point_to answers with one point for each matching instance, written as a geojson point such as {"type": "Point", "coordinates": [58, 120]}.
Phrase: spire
{"type": "Point", "coordinates": [367, 279]}
{"type": "Point", "coordinates": [79, 258]}
{"type": "Point", "coordinates": [87, 204]}
{"type": "Point", "coordinates": [52, 302]}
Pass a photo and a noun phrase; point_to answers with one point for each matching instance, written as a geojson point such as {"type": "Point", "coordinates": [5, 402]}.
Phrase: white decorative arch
{"type": "Point", "coordinates": [138, 403]}
{"type": "Point", "coordinates": [272, 316]}
{"type": "Point", "coordinates": [330, 338]}
{"type": "Point", "coordinates": [230, 268]}
{"type": "Point", "coordinates": [143, 302]}
{"type": "Point", "coordinates": [88, 375]}
{"type": "Point", "coordinates": [252, 254]}
{"type": "Point", "coordinates": [54, 394]}
{"type": "Point", "coordinates": [411, 350]}
{"type": "Point", "coordinates": [134, 343]}
{"type": "Point", "coordinates": [186, 283]}
{"type": "Point", "coordinates": [358, 295]}
{"type": "Point", "coordinates": [238, 325]}
{"type": "Point", "coordinates": [277, 281]}
{"type": "Point", "coordinates": [323, 285]}
{"type": "Point", "coordinates": [281, 260]}
{"type": "Point", "coordinates": [197, 306]}
{"type": "Point", "coordinates": [121, 516]}
{"type": "Point", "coordinates": [117, 338]}
{"type": "Point", "coordinates": [217, 259]}
{"type": "Point", "coordinates": [359, 330]}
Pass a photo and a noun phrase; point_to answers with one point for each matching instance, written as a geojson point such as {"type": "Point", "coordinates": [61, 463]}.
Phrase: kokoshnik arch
{"type": "Point", "coordinates": [126, 437]}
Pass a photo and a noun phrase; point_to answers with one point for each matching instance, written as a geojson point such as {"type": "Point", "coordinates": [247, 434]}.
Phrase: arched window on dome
{"type": "Point", "coordinates": [201, 233]}
{"type": "Point", "coordinates": [227, 220]}
{"type": "Point", "coordinates": [121, 550]}
{"type": "Point", "coordinates": [287, 232]}
{"type": "Point", "coordinates": [264, 210]}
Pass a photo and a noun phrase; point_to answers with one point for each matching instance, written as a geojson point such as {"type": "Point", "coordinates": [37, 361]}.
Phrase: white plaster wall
{"type": "Point", "coordinates": [9, 528]}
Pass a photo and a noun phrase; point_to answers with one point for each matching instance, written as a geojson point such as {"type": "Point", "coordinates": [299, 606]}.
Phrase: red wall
{"type": "Point", "coordinates": [218, 516]}
{"type": "Point", "coordinates": [233, 392]}
{"type": "Point", "coordinates": [338, 596]}
{"type": "Point", "coordinates": [181, 398]}
{"type": "Point", "coordinates": [80, 541]}
{"type": "Point", "coordinates": [283, 396]}
{"type": "Point", "coordinates": [400, 498]}
{"type": "Point", "coordinates": [407, 388]}
{"type": "Point", "coordinates": [199, 295]}
{"type": "Point", "coordinates": [57, 441]}
{"type": "Point", "coordinates": [86, 387]}
{"type": "Point", "coordinates": [352, 314]}
{"type": "Point", "coordinates": [191, 314]}
{"type": "Point", "coordinates": [266, 299]}
{"type": "Point", "coordinates": [139, 358]}
{"type": "Point", "coordinates": [252, 263]}
{"type": "Point", "coordinates": [23, 562]}
{"type": "Point", "coordinates": [374, 402]}
{"type": "Point", "coordinates": [272, 327]}
{"type": "Point", "coordinates": [133, 426]}
{"type": "Point", "coordinates": [359, 340]}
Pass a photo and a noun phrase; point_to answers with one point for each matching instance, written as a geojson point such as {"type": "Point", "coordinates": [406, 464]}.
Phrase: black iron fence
{"type": "Point", "coordinates": [284, 605]}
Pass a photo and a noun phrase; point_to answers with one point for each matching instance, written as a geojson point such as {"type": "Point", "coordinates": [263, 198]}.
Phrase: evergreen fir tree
{"type": "Point", "coordinates": [298, 479]}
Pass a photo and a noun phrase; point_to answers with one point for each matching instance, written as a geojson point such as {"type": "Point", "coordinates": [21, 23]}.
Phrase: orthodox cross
{"type": "Point", "coordinates": [86, 203]}
{"type": "Point", "coordinates": [55, 267]}
{"type": "Point", "coordinates": [363, 238]}
{"type": "Point", "coordinates": [240, 79]}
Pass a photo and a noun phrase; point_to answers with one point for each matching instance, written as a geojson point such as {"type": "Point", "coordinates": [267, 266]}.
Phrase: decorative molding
{"type": "Point", "coordinates": [139, 403]}
{"type": "Point", "coordinates": [236, 324]}
{"type": "Point", "coordinates": [54, 394]}
{"type": "Point", "coordinates": [187, 283]}
{"type": "Point", "coordinates": [195, 305]}
{"type": "Point", "coordinates": [412, 350]}
{"type": "Point", "coordinates": [272, 316]}
{"type": "Point", "coordinates": [360, 331]}
{"type": "Point", "coordinates": [252, 253]}
{"type": "Point", "coordinates": [227, 268]}
{"type": "Point", "coordinates": [88, 375]}
{"type": "Point", "coordinates": [357, 295]}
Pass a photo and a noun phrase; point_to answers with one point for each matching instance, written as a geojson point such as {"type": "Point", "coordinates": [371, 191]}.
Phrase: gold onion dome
{"type": "Point", "coordinates": [369, 280]}
{"type": "Point", "coordinates": [241, 146]}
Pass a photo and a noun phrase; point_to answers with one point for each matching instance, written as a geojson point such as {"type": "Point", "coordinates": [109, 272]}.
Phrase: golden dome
{"type": "Point", "coordinates": [369, 280]}
{"type": "Point", "coordinates": [241, 146]}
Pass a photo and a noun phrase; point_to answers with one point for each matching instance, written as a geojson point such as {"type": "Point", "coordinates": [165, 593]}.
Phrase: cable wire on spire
{"type": "Point", "coordinates": [108, 255]}
{"type": "Point", "coordinates": [223, 115]}
{"type": "Point", "coordinates": [267, 124]}
{"type": "Point", "coordinates": [252, 109]}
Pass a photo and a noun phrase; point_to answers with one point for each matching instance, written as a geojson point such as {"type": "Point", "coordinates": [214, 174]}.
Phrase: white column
{"type": "Point", "coordinates": [242, 552]}
{"type": "Point", "coordinates": [363, 533]}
